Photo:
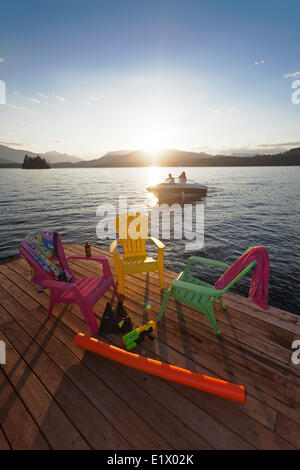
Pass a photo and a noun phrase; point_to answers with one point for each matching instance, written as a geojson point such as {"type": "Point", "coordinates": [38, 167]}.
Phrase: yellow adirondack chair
{"type": "Point", "coordinates": [133, 231]}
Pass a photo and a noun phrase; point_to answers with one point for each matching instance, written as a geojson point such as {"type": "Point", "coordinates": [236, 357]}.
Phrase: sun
{"type": "Point", "coordinates": [151, 143]}
{"type": "Point", "coordinates": [155, 139]}
{"type": "Point", "coordinates": [150, 147]}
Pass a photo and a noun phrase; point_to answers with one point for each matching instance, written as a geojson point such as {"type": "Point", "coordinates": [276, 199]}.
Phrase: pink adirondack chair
{"type": "Point", "coordinates": [45, 254]}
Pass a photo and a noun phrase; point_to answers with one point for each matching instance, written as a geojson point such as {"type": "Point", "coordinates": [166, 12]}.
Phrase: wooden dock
{"type": "Point", "coordinates": [55, 395]}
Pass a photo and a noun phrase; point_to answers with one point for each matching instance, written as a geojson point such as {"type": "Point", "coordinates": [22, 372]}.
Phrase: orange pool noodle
{"type": "Point", "coordinates": [175, 374]}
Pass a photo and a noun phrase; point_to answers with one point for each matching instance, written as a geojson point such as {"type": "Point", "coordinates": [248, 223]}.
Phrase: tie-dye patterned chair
{"type": "Point", "coordinates": [45, 254]}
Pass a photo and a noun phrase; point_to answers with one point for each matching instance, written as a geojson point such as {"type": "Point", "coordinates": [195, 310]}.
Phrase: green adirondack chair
{"type": "Point", "coordinates": [199, 294]}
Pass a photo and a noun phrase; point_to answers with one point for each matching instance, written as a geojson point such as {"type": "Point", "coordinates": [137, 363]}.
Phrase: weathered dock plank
{"type": "Point", "coordinates": [69, 398]}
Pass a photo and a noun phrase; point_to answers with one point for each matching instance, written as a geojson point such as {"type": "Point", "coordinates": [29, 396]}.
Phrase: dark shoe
{"type": "Point", "coordinates": [108, 321]}
{"type": "Point", "coordinates": [124, 326]}
{"type": "Point", "coordinates": [124, 322]}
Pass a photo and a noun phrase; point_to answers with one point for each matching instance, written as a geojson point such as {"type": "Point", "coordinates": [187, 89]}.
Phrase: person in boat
{"type": "Point", "coordinates": [170, 179]}
{"type": "Point", "coordinates": [182, 178]}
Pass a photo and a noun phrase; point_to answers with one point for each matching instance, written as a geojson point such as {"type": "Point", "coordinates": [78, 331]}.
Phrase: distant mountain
{"type": "Point", "coordinates": [56, 157]}
{"type": "Point", "coordinates": [182, 158]}
{"type": "Point", "coordinates": [10, 155]}
{"type": "Point", "coordinates": [165, 158]}
{"type": "Point", "coordinates": [13, 155]}
{"type": "Point", "coordinates": [4, 160]}
{"type": "Point", "coordinates": [133, 158]}
{"type": "Point", "coordinates": [288, 158]}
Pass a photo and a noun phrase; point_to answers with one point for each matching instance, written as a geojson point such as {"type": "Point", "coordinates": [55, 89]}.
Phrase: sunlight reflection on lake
{"type": "Point", "coordinates": [244, 207]}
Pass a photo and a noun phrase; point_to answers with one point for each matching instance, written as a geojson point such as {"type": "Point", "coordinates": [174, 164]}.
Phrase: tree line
{"type": "Point", "coordinates": [35, 163]}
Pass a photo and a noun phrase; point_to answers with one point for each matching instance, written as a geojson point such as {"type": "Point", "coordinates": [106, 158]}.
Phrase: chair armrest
{"type": "Point", "coordinates": [207, 261]}
{"type": "Point", "coordinates": [157, 242]}
{"type": "Point", "coordinates": [102, 259]}
{"type": "Point", "coordinates": [53, 284]}
{"type": "Point", "coordinates": [114, 247]}
{"type": "Point", "coordinates": [63, 287]}
{"type": "Point", "coordinates": [117, 258]}
{"type": "Point", "coordinates": [196, 288]}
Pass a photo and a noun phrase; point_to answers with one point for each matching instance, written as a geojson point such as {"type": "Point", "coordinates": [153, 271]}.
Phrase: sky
{"type": "Point", "coordinates": [87, 77]}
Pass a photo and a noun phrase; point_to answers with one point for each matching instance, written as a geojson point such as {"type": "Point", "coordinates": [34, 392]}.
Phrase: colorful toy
{"type": "Point", "coordinates": [133, 242]}
{"type": "Point", "coordinates": [135, 337]}
{"type": "Point", "coordinates": [161, 369]}
{"type": "Point", "coordinates": [63, 285]}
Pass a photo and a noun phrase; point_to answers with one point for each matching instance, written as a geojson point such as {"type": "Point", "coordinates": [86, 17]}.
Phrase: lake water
{"type": "Point", "coordinates": [244, 207]}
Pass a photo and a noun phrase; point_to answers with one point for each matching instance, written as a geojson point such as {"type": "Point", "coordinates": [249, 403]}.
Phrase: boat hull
{"type": "Point", "coordinates": [178, 192]}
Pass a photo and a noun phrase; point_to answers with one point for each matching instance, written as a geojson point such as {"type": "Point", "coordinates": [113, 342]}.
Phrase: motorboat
{"type": "Point", "coordinates": [178, 189]}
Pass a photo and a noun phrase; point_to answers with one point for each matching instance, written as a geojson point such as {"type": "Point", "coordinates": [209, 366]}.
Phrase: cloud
{"type": "Point", "coordinates": [16, 93]}
{"type": "Point", "coordinates": [291, 75]}
{"type": "Point", "coordinates": [217, 112]}
{"type": "Point", "coordinates": [1, 59]}
{"type": "Point", "coordinates": [220, 111]}
{"type": "Point", "coordinates": [94, 98]}
{"type": "Point", "coordinates": [33, 100]}
{"type": "Point", "coordinates": [42, 95]}
{"type": "Point", "coordinates": [15, 144]}
{"type": "Point", "coordinates": [59, 98]}
{"type": "Point", "coordinates": [85, 102]}
{"type": "Point", "coordinates": [282, 144]}
{"type": "Point", "coordinates": [250, 149]}
{"type": "Point", "coordinates": [18, 108]}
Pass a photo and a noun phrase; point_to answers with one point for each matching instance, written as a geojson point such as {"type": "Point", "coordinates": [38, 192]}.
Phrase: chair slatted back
{"type": "Point", "coordinates": [133, 231]}
{"type": "Point", "coordinates": [44, 251]}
